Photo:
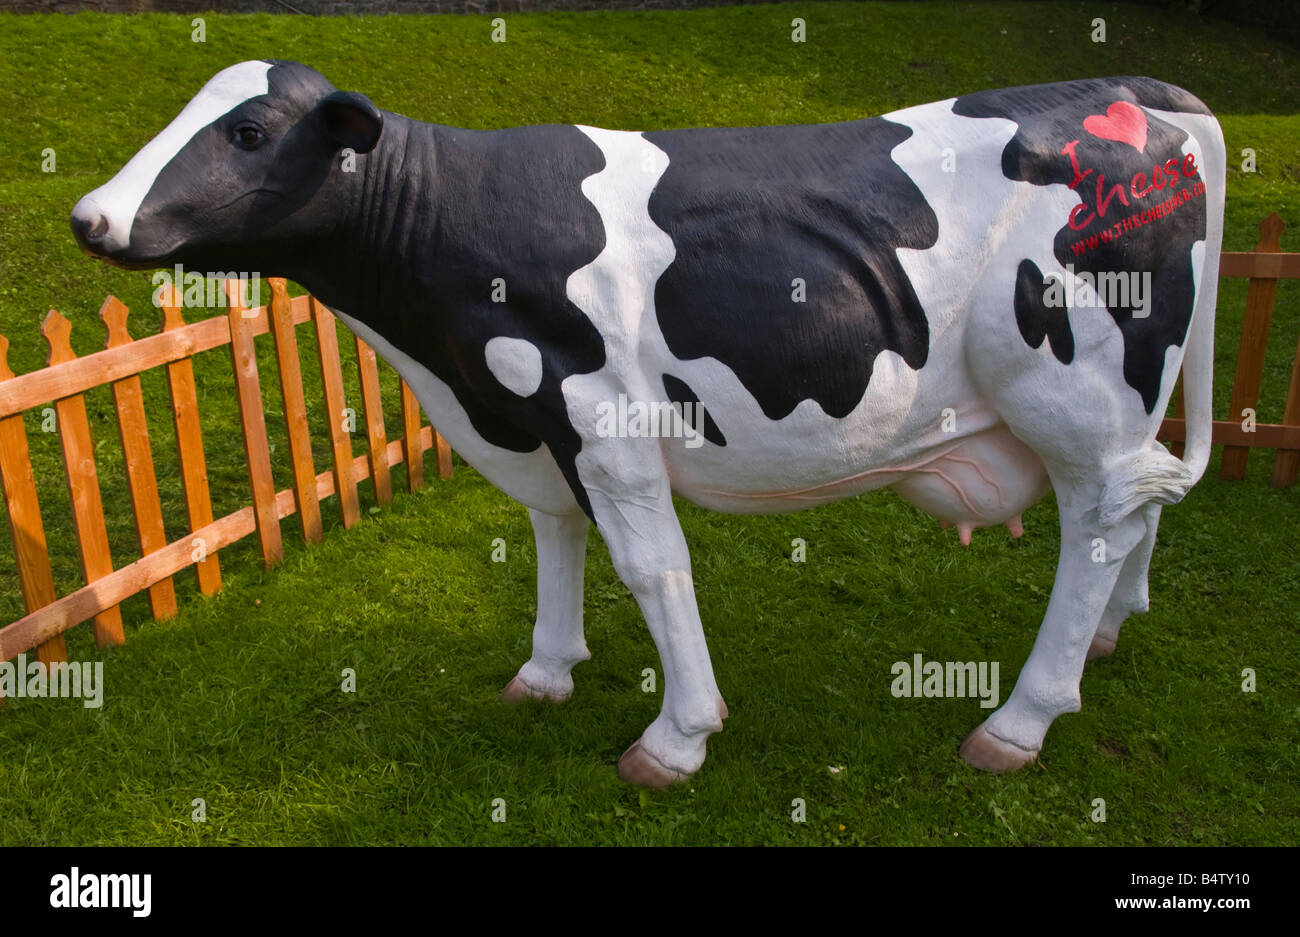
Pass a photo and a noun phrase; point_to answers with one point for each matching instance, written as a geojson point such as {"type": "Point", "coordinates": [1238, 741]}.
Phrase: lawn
{"type": "Point", "coordinates": [237, 700]}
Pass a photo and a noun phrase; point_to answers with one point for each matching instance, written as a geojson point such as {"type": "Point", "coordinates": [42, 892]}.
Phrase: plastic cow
{"type": "Point", "coordinates": [968, 301]}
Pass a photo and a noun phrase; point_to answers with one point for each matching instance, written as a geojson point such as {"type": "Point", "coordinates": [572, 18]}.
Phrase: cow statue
{"type": "Point", "coordinates": [970, 302]}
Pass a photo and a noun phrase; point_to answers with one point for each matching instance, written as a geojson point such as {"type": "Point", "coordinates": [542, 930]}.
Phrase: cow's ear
{"type": "Point", "coordinates": [352, 120]}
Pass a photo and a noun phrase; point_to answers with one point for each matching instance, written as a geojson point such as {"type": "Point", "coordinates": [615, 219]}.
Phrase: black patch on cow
{"type": "Point", "coordinates": [1037, 319]}
{"type": "Point", "coordinates": [680, 393]}
{"type": "Point", "coordinates": [447, 218]}
{"type": "Point", "coordinates": [1049, 118]}
{"type": "Point", "coordinates": [749, 211]}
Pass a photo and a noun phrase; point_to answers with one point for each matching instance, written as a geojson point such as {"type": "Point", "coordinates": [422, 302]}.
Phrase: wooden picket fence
{"type": "Point", "coordinates": [1263, 266]}
{"type": "Point", "coordinates": [64, 382]}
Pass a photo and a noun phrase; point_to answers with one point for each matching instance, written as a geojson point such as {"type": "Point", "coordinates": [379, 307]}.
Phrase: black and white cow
{"type": "Point", "coordinates": [968, 301]}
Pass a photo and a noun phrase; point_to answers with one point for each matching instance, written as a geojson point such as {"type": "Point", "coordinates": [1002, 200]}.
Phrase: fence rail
{"type": "Point", "coordinates": [64, 382]}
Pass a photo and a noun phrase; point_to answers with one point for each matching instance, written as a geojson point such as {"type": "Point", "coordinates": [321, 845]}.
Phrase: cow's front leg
{"type": "Point", "coordinates": [632, 503]}
{"type": "Point", "coordinates": [558, 642]}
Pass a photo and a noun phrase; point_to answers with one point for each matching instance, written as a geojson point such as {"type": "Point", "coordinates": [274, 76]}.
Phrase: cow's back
{"type": "Point", "coordinates": [824, 277]}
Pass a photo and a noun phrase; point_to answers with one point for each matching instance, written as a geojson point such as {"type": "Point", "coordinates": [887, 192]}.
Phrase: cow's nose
{"type": "Point", "coordinates": [89, 224]}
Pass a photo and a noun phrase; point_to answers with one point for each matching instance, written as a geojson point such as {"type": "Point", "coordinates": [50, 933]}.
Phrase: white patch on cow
{"type": "Point", "coordinates": [515, 363]}
{"type": "Point", "coordinates": [531, 478]}
{"type": "Point", "coordinates": [616, 292]}
{"type": "Point", "coordinates": [979, 211]}
{"type": "Point", "coordinates": [119, 199]}
{"type": "Point", "coordinates": [1200, 127]}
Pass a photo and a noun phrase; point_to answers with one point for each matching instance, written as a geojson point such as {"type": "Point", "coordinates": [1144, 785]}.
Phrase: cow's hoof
{"type": "Point", "coordinates": [984, 750]}
{"type": "Point", "coordinates": [516, 691]}
{"type": "Point", "coordinates": [1101, 646]}
{"type": "Point", "coordinates": [639, 767]}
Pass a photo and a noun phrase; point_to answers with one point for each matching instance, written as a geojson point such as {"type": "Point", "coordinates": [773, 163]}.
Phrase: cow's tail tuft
{"type": "Point", "coordinates": [1155, 474]}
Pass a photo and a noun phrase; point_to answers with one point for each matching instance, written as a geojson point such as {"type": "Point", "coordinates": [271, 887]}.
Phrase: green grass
{"type": "Point", "coordinates": [237, 699]}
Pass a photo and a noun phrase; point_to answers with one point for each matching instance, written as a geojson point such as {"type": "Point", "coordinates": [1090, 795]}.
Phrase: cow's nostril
{"type": "Point", "coordinates": [90, 226]}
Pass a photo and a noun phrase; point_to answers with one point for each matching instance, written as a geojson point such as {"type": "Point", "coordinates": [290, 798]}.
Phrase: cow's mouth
{"type": "Point", "coordinates": [124, 263]}
{"type": "Point", "coordinates": [243, 195]}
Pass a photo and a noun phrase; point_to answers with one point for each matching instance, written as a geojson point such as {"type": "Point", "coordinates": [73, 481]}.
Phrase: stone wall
{"type": "Point", "coordinates": [1276, 17]}
{"type": "Point", "coordinates": [339, 8]}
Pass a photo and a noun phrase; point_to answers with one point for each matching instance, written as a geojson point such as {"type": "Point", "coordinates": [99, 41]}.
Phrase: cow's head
{"type": "Point", "coordinates": [252, 160]}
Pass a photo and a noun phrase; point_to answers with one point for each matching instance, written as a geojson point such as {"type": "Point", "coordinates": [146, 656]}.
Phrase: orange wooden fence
{"type": "Point", "coordinates": [64, 382]}
{"type": "Point", "coordinates": [1263, 266]}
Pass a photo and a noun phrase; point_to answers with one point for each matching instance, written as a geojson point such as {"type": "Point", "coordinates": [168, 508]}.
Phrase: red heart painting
{"type": "Point", "coordinates": [1124, 122]}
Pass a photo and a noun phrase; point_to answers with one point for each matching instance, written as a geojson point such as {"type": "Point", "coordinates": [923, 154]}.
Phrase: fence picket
{"type": "Point", "coordinates": [189, 445]}
{"type": "Point", "coordinates": [142, 480]}
{"type": "Point", "coordinates": [1254, 343]}
{"type": "Point", "coordinates": [1287, 461]}
{"type": "Point", "coordinates": [285, 335]}
{"type": "Point", "coordinates": [327, 344]}
{"type": "Point", "coordinates": [1179, 414]}
{"type": "Point", "coordinates": [443, 449]}
{"type": "Point", "coordinates": [83, 481]}
{"type": "Point", "coordinates": [376, 435]}
{"type": "Point", "coordinates": [252, 420]}
{"type": "Point", "coordinates": [411, 439]}
{"type": "Point", "coordinates": [35, 578]}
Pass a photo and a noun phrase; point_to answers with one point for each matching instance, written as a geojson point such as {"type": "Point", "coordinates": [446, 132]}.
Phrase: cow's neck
{"type": "Point", "coordinates": [455, 238]}
{"type": "Point", "coordinates": [374, 258]}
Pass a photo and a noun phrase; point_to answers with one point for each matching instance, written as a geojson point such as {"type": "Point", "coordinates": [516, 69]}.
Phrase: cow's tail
{"type": "Point", "coordinates": [1155, 474]}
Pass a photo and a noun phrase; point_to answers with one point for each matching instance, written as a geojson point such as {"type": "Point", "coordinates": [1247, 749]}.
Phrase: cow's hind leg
{"type": "Point", "coordinates": [1130, 594]}
{"type": "Point", "coordinates": [558, 642]}
{"type": "Point", "coordinates": [1095, 436]}
{"type": "Point", "coordinates": [1091, 560]}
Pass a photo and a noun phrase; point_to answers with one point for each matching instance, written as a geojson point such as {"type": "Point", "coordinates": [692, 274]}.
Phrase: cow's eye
{"type": "Point", "coordinates": [248, 137]}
